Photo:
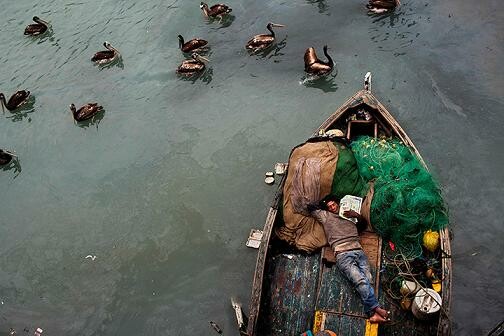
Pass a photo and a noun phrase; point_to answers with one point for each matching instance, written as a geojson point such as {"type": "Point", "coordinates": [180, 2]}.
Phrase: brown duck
{"type": "Point", "coordinates": [217, 10]}
{"type": "Point", "coordinates": [5, 157]}
{"type": "Point", "coordinates": [18, 99]}
{"type": "Point", "coordinates": [382, 6]}
{"type": "Point", "coordinates": [106, 56]}
{"type": "Point", "coordinates": [37, 28]}
{"type": "Point", "coordinates": [85, 112]}
{"type": "Point", "coordinates": [315, 66]}
{"type": "Point", "coordinates": [263, 41]}
{"type": "Point", "coordinates": [191, 45]}
{"type": "Point", "coordinates": [192, 66]}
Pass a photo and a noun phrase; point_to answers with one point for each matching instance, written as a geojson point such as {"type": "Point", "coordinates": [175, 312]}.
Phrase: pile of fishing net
{"type": "Point", "coordinates": [407, 201]}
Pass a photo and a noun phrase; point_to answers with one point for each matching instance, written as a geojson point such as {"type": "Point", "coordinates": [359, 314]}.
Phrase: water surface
{"type": "Point", "coordinates": [165, 186]}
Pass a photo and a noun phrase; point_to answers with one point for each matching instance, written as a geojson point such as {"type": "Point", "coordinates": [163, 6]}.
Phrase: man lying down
{"type": "Point", "coordinates": [343, 236]}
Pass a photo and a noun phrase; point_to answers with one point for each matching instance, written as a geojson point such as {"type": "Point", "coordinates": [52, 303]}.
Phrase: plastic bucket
{"type": "Point", "coordinates": [427, 302]}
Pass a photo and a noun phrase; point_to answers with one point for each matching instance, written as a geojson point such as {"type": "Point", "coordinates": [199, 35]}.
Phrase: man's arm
{"type": "Point", "coordinates": [319, 214]}
{"type": "Point", "coordinates": [361, 221]}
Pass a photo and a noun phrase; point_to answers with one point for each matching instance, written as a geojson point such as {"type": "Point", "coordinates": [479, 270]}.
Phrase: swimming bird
{"type": "Point", "coordinates": [85, 112]}
{"type": "Point", "coordinates": [263, 41]}
{"type": "Point", "coordinates": [192, 66]}
{"type": "Point", "coordinates": [37, 28]}
{"type": "Point", "coordinates": [19, 98]}
{"type": "Point", "coordinates": [191, 45]}
{"type": "Point", "coordinates": [315, 66]}
{"type": "Point", "coordinates": [382, 6]}
{"type": "Point", "coordinates": [217, 10]}
{"type": "Point", "coordinates": [106, 56]}
{"type": "Point", "coordinates": [5, 157]}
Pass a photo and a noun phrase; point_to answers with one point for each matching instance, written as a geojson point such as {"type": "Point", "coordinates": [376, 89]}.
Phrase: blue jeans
{"type": "Point", "coordinates": [355, 265]}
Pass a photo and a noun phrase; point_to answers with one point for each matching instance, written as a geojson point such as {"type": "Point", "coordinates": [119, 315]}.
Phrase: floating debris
{"type": "Point", "coordinates": [280, 168]}
{"type": "Point", "coordinates": [241, 319]}
{"type": "Point", "coordinates": [215, 327]}
{"type": "Point", "coordinates": [269, 178]}
{"type": "Point", "coordinates": [254, 239]}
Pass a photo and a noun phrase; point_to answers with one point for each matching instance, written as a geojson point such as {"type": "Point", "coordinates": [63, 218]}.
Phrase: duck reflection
{"type": "Point", "coordinates": [205, 76]}
{"type": "Point", "coordinates": [325, 82]}
{"type": "Point", "coordinates": [321, 4]}
{"type": "Point", "coordinates": [226, 21]}
{"type": "Point", "coordinates": [273, 50]}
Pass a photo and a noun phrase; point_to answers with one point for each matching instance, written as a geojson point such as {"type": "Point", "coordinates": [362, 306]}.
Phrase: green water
{"type": "Point", "coordinates": [165, 186]}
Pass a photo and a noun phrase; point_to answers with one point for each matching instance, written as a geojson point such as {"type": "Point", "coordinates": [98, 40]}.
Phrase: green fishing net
{"type": "Point", "coordinates": [407, 200]}
{"type": "Point", "coordinates": [347, 179]}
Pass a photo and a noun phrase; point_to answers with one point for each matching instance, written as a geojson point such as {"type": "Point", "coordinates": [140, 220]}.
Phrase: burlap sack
{"type": "Point", "coordinates": [304, 231]}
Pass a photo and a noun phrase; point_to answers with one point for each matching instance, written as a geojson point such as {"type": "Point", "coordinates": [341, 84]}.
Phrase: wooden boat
{"type": "Point", "coordinates": [295, 291]}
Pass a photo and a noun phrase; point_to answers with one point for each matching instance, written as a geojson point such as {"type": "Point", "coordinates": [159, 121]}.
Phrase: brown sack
{"type": "Point", "coordinates": [304, 231]}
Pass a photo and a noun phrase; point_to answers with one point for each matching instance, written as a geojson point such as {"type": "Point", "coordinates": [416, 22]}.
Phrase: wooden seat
{"type": "Point", "coordinates": [362, 127]}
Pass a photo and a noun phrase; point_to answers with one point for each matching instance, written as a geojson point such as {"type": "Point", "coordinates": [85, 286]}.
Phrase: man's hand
{"type": "Point", "coordinates": [312, 207]}
{"type": "Point", "coordinates": [351, 214]}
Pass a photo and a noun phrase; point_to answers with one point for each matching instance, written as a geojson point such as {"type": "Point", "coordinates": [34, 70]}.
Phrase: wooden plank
{"type": "Point", "coordinates": [498, 330]}
{"type": "Point", "coordinates": [444, 327]}
{"type": "Point", "coordinates": [336, 294]}
{"type": "Point", "coordinates": [290, 294]}
{"type": "Point", "coordinates": [257, 284]}
{"type": "Point", "coordinates": [345, 325]}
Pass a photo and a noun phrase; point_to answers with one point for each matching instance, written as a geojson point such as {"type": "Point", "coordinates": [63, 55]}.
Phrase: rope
{"type": "Point", "coordinates": [400, 265]}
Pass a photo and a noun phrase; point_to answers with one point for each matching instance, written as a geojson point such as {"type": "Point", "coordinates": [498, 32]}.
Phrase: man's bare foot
{"type": "Point", "coordinates": [377, 318]}
{"type": "Point", "coordinates": [383, 313]}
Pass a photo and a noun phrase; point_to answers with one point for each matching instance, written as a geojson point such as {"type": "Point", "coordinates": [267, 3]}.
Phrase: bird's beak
{"type": "Point", "coordinates": [204, 58]}
{"type": "Point", "coordinates": [277, 25]}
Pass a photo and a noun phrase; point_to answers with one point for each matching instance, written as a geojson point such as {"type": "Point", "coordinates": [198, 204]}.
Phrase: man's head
{"type": "Point", "coordinates": [330, 203]}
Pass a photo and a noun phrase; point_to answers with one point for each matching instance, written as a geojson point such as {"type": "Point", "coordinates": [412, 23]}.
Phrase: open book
{"type": "Point", "coordinates": [349, 202]}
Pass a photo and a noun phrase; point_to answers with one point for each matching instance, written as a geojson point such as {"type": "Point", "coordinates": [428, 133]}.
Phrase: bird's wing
{"type": "Point", "coordinates": [260, 40]}
{"type": "Point", "coordinates": [383, 3]}
{"type": "Point", "coordinates": [190, 66]}
{"type": "Point", "coordinates": [194, 44]}
{"type": "Point", "coordinates": [18, 97]}
{"type": "Point", "coordinates": [34, 29]}
{"type": "Point", "coordinates": [219, 9]}
{"type": "Point", "coordinates": [100, 55]}
{"type": "Point", "coordinates": [319, 68]}
{"type": "Point", "coordinates": [310, 57]}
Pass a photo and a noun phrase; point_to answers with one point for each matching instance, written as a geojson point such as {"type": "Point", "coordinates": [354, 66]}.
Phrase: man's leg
{"type": "Point", "coordinates": [349, 264]}
{"type": "Point", "coordinates": [365, 268]}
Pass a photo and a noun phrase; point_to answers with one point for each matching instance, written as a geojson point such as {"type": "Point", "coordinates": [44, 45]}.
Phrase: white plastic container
{"type": "Point", "coordinates": [269, 179]}
{"type": "Point", "coordinates": [409, 287]}
{"type": "Point", "coordinates": [427, 302]}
